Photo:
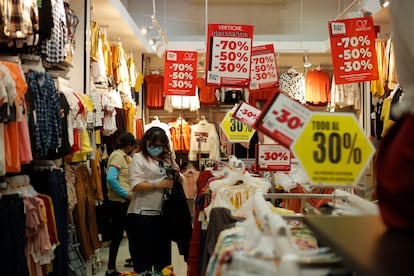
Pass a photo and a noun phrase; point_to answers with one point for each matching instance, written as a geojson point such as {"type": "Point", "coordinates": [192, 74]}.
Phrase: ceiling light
{"type": "Point", "coordinates": [306, 62]}
{"type": "Point", "coordinates": [154, 40]}
{"type": "Point", "coordinates": [146, 30]}
{"type": "Point", "coordinates": [384, 3]}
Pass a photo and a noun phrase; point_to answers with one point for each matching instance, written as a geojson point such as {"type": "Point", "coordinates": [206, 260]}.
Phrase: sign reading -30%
{"type": "Point", "coordinates": [333, 149]}
{"type": "Point", "coordinates": [246, 113]}
{"type": "Point", "coordinates": [283, 118]}
{"type": "Point", "coordinates": [180, 74]}
{"type": "Point", "coordinates": [272, 157]}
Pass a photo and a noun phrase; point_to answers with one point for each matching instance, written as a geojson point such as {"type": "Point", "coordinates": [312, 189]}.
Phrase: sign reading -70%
{"type": "Point", "coordinates": [333, 149]}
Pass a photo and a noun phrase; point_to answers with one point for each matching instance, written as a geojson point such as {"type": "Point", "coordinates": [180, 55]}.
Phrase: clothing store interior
{"type": "Point", "coordinates": [276, 115]}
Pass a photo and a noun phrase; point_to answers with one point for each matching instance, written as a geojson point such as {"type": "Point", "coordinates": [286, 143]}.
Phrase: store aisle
{"type": "Point", "coordinates": [180, 267]}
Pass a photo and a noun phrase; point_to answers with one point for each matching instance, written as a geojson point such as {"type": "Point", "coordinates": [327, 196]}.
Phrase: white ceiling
{"type": "Point", "coordinates": [292, 25]}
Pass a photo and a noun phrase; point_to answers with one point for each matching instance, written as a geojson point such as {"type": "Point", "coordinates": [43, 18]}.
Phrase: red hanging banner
{"type": "Point", "coordinates": [180, 72]}
{"type": "Point", "coordinates": [264, 70]}
{"type": "Point", "coordinates": [228, 54]}
{"type": "Point", "coordinates": [354, 55]}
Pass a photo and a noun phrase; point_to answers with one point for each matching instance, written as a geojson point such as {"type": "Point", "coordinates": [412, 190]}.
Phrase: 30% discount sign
{"type": "Point", "coordinates": [180, 74]}
{"type": "Point", "coordinates": [247, 113]}
{"type": "Point", "coordinates": [235, 130]}
{"type": "Point", "coordinates": [333, 149]}
{"type": "Point", "coordinates": [272, 157]}
{"type": "Point", "coordinates": [282, 119]}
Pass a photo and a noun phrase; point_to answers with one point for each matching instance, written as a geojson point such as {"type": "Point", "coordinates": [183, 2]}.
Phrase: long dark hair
{"type": "Point", "coordinates": [156, 134]}
{"type": "Point", "coordinates": [124, 140]}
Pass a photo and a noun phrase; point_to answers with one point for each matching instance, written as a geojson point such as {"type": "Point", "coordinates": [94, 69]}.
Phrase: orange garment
{"type": "Point", "coordinates": [11, 128]}
{"type": "Point", "coordinates": [261, 94]}
{"type": "Point", "coordinates": [206, 93]}
{"type": "Point", "coordinates": [180, 136]}
{"type": "Point", "coordinates": [154, 91]}
{"type": "Point", "coordinates": [295, 204]}
{"type": "Point", "coordinates": [139, 129]}
{"type": "Point", "coordinates": [318, 87]}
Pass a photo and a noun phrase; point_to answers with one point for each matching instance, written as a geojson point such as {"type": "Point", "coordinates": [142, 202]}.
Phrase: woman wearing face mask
{"type": "Point", "coordinates": [149, 244]}
{"type": "Point", "coordinates": [118, 194]}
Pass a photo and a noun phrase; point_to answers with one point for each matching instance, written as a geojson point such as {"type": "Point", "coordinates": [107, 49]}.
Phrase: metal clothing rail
{"type": "Point", "coordinates": [303, 196]}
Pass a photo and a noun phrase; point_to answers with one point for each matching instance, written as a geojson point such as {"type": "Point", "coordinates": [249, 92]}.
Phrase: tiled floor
{"type": "Point", "coordinates": [180, 267]}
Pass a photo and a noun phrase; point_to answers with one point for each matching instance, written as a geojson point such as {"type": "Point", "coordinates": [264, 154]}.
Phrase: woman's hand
{"type": "Point", "coordinates": [165, 184]}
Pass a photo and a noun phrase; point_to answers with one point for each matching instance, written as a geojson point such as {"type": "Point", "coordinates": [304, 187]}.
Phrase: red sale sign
{"type": "Point", "coordinates": [272, 157]}
{"type": "Point", "coordinates": [228, 54]}
{"type": "Point", "coordinates": [180, 72]}
{"type": "Point", "coordinates": [263, 67]}
{"type": "Point", "coordinates": [283, 119]}
{"type": "Point", "coordinates": [354, 55]}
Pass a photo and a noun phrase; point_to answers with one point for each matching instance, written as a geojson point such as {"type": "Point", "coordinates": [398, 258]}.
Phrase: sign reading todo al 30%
{"type": "Point", "coordinates": [333, 149]}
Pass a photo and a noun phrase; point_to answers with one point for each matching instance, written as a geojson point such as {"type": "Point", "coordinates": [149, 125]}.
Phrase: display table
{"type": "Point", "coordinates": [365, 245]}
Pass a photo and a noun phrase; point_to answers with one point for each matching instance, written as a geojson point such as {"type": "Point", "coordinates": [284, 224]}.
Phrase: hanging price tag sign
{"type": "Point", "coordinates": [263, 68]}
{"type": "Point", "coordinates": [354, 55]}
{"type": "Point", "coordinates": [228, 54]}
{"type": "Point", "coordinates": [247, 114]}
{"type": "Point", "coordinates": [272, 158]}
{"type": "Point", "coordinates": [283, 119]}
{"type": "Point", "coordinates": [236, 131]}
{"type": "Point", "coordinates": [180, 72]}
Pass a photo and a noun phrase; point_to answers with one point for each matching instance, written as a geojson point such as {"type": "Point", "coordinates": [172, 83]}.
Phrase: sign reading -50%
{"type": "Point", "coordinates": [333, 149]}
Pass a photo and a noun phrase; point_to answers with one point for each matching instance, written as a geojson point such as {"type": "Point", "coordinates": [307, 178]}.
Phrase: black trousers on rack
{"type": "Point", "coordinates": [12, 236]}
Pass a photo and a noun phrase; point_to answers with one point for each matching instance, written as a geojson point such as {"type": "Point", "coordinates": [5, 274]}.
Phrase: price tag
{"type": "Point", "coordinates": [263, 67]}
{"type": "Point", "coordinates": [247, 114]}
{"type": "Point", "coordinates": [272, 158]}
{"type": "Point", "coordinates": [180, 73]}
{"type": "Point", "coordinates": [229, 51]}
{"type": "Point", "coordinates": [283, 119]}
{"type": "Point", "coordinates": [354, 55]}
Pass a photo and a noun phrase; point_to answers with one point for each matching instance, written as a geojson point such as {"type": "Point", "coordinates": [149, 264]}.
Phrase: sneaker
{"type": "Point", "coordinates": [128, 263]}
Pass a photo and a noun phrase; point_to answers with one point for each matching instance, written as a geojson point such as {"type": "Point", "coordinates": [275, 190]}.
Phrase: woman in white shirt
{"type": "Point", "coordinates": [149, 242]}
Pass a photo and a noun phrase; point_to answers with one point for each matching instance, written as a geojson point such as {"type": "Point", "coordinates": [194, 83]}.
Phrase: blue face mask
{"type": "Point", "coordinates": [155, 150]}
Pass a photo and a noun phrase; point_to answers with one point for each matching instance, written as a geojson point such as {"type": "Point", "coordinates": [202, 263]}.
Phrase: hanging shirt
{"type": "Point", "coordinates": [204, 139]}
{"type": "Point", "coordinates": [154, 89]}
{"type": "Point", "coordinates": [318, 87]}
{"type": "Point", "coordinates": [206, 92]}
{"type": "Point", "coordinates": [180, 135]}
{"type": "Point", "coordinates": [293, 84]}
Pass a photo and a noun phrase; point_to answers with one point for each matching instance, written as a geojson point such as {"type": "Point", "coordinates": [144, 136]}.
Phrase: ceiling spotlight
{"type": "Point", "coordinates": [306, 62]}
{"type": "Point", "coordinates": [384, 3]}
{"type": "Point", "coordinates": [154, 40]}
{"type": "Point", "coordinates": [145, 30]}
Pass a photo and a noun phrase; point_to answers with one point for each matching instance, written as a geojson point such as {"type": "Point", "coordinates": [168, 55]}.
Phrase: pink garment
{"type": "Point", "coordinates": [24, 138]}
{"type": "Point", "coordinates": [190, 182]}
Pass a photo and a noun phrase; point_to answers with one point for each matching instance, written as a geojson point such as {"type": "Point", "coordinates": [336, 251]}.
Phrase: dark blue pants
{"type": "Point", "coordinates": [149, 242]}
{"type": "Point", "coordinates": [12, 236]}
